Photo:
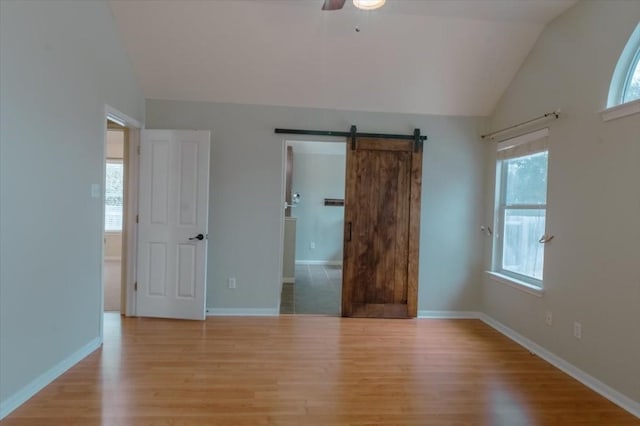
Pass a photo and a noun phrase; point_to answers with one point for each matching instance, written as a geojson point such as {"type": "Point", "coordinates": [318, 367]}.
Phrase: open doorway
{"type": "Point", "coordinates": [313, 227]}
{"type": "Point", "coordinates": [120, 205]}
{"type": "Point", "coordinates": [114, 208]}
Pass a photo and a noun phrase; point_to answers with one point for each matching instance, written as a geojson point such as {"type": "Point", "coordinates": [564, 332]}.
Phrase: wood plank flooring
{"type": "Point", "coordinates": [308, 370]}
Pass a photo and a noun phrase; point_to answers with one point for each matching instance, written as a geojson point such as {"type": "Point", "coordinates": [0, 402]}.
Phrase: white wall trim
{"type": "Point", "coordinates": [591, 382]}
{"type": "Point", "coordinates": [36, 385]}
{"type": "Point", "coordinates": [130, 234]}
{"type": "Point", "coordinates": [289, 280]}
{"type": "Point", "coordinates": [243, 312]}
{"type": "Point", "coordinates": [111, 112]}
{"type": "Point", "coordinates": [449, 314]}
{"type": "Point", "coordinates": [517, 284]}
{"type": "Point", "coordinates": [113, 259]}
{"type": "Point", "coordinates": [621, 110]}
{"type": "Point", "coordinates": [319, 262]}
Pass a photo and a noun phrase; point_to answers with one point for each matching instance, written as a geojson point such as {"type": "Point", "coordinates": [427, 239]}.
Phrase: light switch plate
{"type": "Point", "coordinates": [95, 190]}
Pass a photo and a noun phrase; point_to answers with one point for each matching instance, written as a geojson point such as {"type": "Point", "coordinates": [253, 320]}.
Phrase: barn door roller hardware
{"type": "Point", "coordinates": [353, 134]}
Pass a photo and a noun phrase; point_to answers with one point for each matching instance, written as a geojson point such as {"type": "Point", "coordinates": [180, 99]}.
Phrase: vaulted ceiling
{"type": "Point", "coordinates": [445, 57]}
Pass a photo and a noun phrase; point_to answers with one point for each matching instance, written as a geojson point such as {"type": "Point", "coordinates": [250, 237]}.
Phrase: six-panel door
{"type": "Point", "coordinates": [173, 205]}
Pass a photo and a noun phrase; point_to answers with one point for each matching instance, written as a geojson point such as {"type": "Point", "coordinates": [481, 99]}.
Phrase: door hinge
{"type": "Point", "coordinates": [137, 219]}
{"type": "Point", "coordinates": [135, 286]}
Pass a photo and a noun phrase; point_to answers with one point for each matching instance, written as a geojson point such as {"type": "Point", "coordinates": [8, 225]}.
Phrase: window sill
{"type": "Point", "coordinates": [620, 111]}
{"type": "Point", "coordinates": [517, 284]}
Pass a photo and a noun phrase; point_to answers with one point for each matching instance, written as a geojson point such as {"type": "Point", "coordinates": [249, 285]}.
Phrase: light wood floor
{"type": "Point", "coordinates": [307, 370]}
{"type": "Point", "coordinates": [112, 283]}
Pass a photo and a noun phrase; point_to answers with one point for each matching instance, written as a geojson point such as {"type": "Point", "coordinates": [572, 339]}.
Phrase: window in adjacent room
{"type": "Point", "coordinates": [521, 207]}
{"type": "Point", "coordinates": [113, 196]}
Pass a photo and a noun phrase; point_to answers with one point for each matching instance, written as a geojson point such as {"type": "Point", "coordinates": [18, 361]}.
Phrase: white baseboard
{"type": "Point", "coordinates": [449, 314]}
{"type": "Point", "coordinates": [20, 397]}
{"type": "Point", "coordinates": [319, 262]}
{"type": "Point", "coordinates": [289, 280]}
{"type": "Point", "coordinates": [242, 312]}
{"type": "Point", "coordinates": [591, 382]}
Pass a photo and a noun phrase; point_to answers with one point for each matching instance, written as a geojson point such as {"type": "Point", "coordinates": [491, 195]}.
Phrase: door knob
{"type": "Point", "coordinates": [199, 237]}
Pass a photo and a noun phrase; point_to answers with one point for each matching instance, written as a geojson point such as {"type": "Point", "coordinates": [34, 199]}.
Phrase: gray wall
{"type": "Point", "coordinates": [60, 63]}
{"type": "Point", "coordinates": [247, 183]}
{"type": "Point", "coordinates": [316, 177]}
{"type": "Point", "coordinates": [591, 267]}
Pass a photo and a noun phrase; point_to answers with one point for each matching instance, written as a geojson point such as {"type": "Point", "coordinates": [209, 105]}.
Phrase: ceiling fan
{"type": "Point", "coordinates": [360, 4]}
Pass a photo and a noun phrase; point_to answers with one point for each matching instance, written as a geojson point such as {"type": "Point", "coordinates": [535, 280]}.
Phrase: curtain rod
{"type": "Point", "coordinates": [555, 114]}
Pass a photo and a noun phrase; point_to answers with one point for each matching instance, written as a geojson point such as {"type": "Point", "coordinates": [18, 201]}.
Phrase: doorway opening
{"type": "Point", "coordinates": [121, 158]}
{"type": "Point", "coordinates": [114, 208]}
{"type": "Point", "coordinates": [313, 227]}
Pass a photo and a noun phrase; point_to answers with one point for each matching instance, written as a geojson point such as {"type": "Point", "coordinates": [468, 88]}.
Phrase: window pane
{"type": "Point", "coordinates": [113, 197]}
{"type": "Point", "coordinates": [522, 253]}
{"type": "Point", "coordinates": [632, 90]}
{"type": "Point", "coordinates": [527, 179]}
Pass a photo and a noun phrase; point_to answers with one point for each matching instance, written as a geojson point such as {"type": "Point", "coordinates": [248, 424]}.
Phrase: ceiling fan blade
{"type": "Point", "coordinates": [333, 4]}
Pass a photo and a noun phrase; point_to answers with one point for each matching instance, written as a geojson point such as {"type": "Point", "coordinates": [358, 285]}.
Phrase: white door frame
{"type": "Point", "coordinates": [131, 206]}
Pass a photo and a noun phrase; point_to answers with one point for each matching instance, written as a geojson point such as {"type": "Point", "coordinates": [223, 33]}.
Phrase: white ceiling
{"type": "Point", "coordinates": [447, 57]}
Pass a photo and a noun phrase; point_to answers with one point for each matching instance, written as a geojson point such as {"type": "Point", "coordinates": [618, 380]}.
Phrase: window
{"type": "Point", "coordinates": [631, 90]}
{"type": "Point", "coordinates": [521, 207]}
{"type": "Point", "coordinates": [625, 82]}
{"type": "Point", "coordinates": [113, 196]}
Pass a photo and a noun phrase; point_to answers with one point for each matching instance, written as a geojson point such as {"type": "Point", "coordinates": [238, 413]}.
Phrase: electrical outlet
{"type": "Point", "coordinates": [232, 283]}
{"type": "Point", "coordinates": [312, 245]}
{"type": "Point", "coordinates": [549, 319]}
{"type": "Point", "coordinates": [577, 330]}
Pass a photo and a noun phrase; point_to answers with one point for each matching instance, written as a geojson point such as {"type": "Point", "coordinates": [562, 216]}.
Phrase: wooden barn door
{"type": "Point", "coordinates": [382, 229]}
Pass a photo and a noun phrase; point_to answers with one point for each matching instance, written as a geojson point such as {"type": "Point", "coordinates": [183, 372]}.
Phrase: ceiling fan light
{"type": "Point", "coordinates": [369, 4]}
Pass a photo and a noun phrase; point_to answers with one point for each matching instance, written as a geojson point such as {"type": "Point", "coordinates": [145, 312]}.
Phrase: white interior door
{"type": "Point", "coordinates": [172, 230]}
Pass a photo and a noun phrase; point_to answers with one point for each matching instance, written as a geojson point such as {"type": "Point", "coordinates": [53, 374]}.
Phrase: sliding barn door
{"type": "Point", "coordinates": [382, 229]}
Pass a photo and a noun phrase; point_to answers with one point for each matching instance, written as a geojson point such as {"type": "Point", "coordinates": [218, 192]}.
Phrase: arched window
{"type": "Point", "coordinates": [631, 89]}
{"type": "Point", "coordinates": [625, 84]}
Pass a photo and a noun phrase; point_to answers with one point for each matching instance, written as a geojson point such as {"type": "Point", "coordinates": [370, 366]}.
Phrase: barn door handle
{"type": "Point", "coordinates": [199, 237]}
{"type": "Point", "coordinates": [349, 231]}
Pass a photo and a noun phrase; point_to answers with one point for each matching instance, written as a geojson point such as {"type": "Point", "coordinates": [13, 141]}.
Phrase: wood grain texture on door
{"type": "Point", "coordinates": [382, 227]}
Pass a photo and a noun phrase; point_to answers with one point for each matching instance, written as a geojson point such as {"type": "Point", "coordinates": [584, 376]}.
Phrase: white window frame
{"type": "Point", "coordinates": [630, 73]}
{"type": "Point", "coordinates": [538, 142]}
{"type": "Point", "coordinates": [104, 224]}
{"type": "Point", "coordinates": [620, 80]}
